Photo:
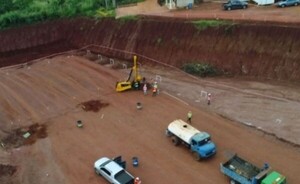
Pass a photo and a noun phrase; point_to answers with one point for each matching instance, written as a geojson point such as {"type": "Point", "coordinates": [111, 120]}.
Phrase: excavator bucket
{"type": "Point", "coordinates": [123, 86]}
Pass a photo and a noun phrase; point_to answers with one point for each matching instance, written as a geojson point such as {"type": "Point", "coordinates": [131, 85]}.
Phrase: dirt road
{"type": "Point", "coordinates": [213, 10]}
{"type": "Point", "coordinates": [146, 7]}
{"type": "Point", "coordinates": [276, 103]}
{"type": "Point", "coordinates": [49, 92]}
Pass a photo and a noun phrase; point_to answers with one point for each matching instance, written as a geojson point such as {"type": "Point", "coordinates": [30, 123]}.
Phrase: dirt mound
{"type": "Point", "coordinates": [93, 105]}
{"type": "Point", "coordinates": [25, 136]}
{"type": "Point", "coordinates": [7, 170]}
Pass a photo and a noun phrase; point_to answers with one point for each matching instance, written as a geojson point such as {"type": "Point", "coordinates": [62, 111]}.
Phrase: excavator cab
{"type": "Point", "coordinates": [128, 84]}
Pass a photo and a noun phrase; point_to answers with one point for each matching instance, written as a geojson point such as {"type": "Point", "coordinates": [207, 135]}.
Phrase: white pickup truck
{"type": "Point", "coordinates": [113, 170]}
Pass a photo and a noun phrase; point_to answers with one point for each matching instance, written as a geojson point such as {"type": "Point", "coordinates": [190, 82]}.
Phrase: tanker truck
{"type": "Point", "coordinates": [198, 142]}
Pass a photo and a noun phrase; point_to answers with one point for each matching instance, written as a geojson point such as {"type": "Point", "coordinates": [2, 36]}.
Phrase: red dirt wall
{"type": "Point", "coordinates": [258, 50]}
{"type": "Point", "coordinates": [19, 45]}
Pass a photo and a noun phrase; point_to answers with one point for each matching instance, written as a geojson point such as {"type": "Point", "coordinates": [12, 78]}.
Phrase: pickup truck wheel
{"type": "Point", "coordinates": [282, 6]}
{"type": "Point", "coordinates": [244, 7]}
{"type": "Point", "coordinates": [175, 140]}
{"type": "Point", "coordinates": [296, 4]}
{"type": "Point", "coordinates": [228, 8]}
{"type": "Point", "coordinates": [196, 156]}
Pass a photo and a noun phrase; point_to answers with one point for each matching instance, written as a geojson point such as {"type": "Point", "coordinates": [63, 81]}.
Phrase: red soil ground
{"type": "Point", "coordinates": [61, 83]}
{"type": "Point", "coordinates": [52, 92]}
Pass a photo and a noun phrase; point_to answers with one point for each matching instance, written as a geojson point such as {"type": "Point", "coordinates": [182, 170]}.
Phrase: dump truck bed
{"type": "Point", "coordinates": [240, 170]}
{"type": "Point", "coordinates": [242, 167]}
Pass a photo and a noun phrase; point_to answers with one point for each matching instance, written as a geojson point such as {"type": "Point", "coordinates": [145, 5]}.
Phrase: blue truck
{"type": "Point", "coordinates": [240, 171]}
{"type": "Point", "coordinates": [199, 142]}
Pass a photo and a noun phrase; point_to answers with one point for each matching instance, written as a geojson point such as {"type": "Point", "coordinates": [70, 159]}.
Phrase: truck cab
{"type": "Point", "coordinates": [274, 177]}
{"type": "Point", "coordinates": [202, 145]}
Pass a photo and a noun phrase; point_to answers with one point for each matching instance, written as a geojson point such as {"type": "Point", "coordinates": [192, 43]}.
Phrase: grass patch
{"type": "Point", "coordinates": [102, 12]}
{"type": "Point", "coordinates": [129, 18]}
{"type": "Point", "coordinates": [200, 69]}
{"type": "Point", "coordinates": [204, 24]}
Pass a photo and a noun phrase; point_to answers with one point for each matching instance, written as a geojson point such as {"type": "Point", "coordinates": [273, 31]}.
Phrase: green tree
{"type": "Point", "coordinates": [5, 6]}
{"type": "Point", "coordinates": [21, 4]}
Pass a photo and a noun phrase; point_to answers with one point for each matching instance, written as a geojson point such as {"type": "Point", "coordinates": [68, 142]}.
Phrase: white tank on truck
{"type": "Point", "coordinates": [199, 142]}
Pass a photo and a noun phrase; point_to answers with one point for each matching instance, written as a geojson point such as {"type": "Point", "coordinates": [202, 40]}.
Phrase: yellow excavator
{"type": "Point", "coordinates": [128, 84]}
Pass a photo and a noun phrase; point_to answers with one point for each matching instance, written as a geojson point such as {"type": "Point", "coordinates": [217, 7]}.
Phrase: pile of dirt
{"type": "Point", "coordinates": [93, 105]}
{"type": "Point", "coordinates": [24, 136]}
{"type": "Point", "coordinates": [7, 170]}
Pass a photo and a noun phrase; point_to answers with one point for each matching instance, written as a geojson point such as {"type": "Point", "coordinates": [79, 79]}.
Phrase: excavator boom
{"type": "Point", "coordinates": [126, 85]}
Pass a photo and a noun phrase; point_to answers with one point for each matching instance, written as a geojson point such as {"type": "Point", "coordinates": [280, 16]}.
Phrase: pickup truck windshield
{"type": "Point", "coordinates": [123, 178]}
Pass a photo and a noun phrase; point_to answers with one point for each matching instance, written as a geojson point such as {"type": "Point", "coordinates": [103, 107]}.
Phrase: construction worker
{"type": "Point", "coordinates": [154, 91]}
{"type": "Point", "coordinates": [189, 117]}
{"type": "Point", "coordinates": [208, 98]}
{"type": "Point", "coordinates": [137, 180]}
{"type": "Point", "coordinates": [157, 89]}
{"type": "Point", "coordinates": [145, 89]}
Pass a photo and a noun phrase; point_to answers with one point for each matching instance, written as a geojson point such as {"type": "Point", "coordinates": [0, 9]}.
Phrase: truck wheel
{"type": "Point", "coordinates": [175, 140]}
{"type": "Point", "coordinates": [168, 133]}
{"type": "Point", "coordinates": [233, 182]}
{"type": "Point", "coordinates": [196, 156]}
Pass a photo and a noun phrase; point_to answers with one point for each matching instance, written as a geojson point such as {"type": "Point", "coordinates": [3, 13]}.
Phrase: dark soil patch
{"type": "Point", "coordinates": [93, 105]}
{"type": "Point", "coordinates": [7, 170]}
{"type": "Point", "coordinates": [16, 138]}
{"type": "Point", "coordinates": [28, 54]}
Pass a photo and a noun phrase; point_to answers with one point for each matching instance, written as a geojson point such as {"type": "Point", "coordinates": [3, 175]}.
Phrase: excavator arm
{"type": "Point", "coordinates": [126, 85]}
{"type": "Point", "coordinates": [129, 77]}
